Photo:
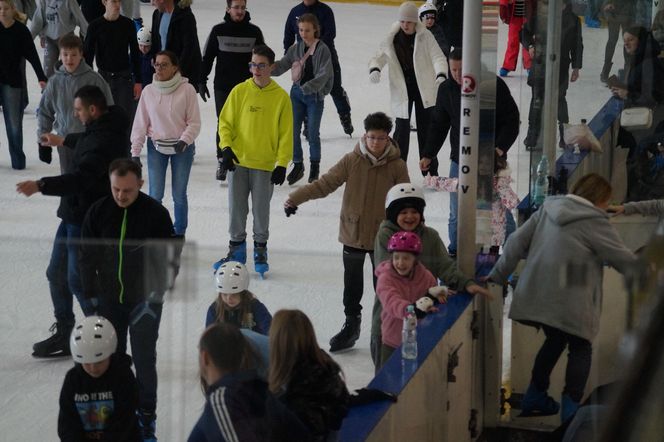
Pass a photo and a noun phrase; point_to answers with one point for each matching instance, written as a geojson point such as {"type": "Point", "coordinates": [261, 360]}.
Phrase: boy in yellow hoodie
{"type": "Point", "coordinates": [256, 142]}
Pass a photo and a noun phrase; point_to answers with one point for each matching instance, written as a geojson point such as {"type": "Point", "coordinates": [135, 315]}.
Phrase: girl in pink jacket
{"type": "Point", "coordinates": [168, 115]}
{"type": "Point", "coordinates": [404, 281]}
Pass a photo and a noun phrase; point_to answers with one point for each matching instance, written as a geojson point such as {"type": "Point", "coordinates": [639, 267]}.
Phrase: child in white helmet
{"type": "Point", "coordinates": [428, 16]}
{"type": "Point", "coordinates": [99, 396]}
{"type": "Point", "coordinates": [144, 37]}
{"type": "Point", "coordinates": [235, 303]}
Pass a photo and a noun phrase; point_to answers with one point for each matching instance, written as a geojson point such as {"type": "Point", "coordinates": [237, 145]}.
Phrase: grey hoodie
{"type": "Point", "coordinates": [567, 243]}
{"type": "Point", "coordinates": [55, 18]}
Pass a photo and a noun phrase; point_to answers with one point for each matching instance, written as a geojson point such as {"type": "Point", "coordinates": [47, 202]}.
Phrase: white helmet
{"type": "Point", "coordinates": [426, 8]}
{"type": "Point", "coordinates": [401, 196]}
{"type": "Point", "coordinates": [144, 36]}
{"type": "Point", "coordinates": [92, 340]}
{"type": "Point", "coordinates": [232, 277]}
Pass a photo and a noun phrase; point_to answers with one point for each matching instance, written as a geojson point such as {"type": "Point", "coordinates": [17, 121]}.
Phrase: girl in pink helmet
{"type": "Point", "coordinates": [404, 281]}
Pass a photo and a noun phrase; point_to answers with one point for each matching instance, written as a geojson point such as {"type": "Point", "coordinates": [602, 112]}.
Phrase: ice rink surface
{"type": "Point", "coordinates": [304, 254]}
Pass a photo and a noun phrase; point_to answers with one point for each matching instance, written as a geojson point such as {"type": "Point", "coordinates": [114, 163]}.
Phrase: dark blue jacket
{"type": "Point", "coordinates": [147, 71]}
{"type": "Point", "coordinates": [325, 16]}
{"type": "Point", "coordinates": [239, 407]}
{"type": "Point", "coordinates": [262, 317]}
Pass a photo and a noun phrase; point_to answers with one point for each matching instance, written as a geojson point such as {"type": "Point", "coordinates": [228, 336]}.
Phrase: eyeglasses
{"type": "Point", "coordinates": [259, 66]}
{"type": "Point", "coordinates": [239, 7]}
{"type": "Point", "coordinates": [429, 16]}
{"type": "Point", "coordinates": [374, 139]}
{"type": "Point", "coordinates": [161, 65]}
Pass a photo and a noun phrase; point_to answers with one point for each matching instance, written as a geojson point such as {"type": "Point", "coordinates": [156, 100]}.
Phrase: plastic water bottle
{"type": "Point", "coordinates": [409, 334]}
{"type": "Point", "coordinates": [541, 186]}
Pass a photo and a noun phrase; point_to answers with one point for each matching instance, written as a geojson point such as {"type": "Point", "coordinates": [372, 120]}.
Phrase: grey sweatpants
{"type": "Point", "coordinates": [241, 183]}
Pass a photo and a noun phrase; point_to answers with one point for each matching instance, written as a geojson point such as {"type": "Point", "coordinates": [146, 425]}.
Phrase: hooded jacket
{"type": "Point", "coordinates": [434, 254]}
{"type": "Point", "coordinates": [164, 115]}
{"type": "Point", "coordinates": [644, 71]}
{"type": "Point", "coordinates": [396, 292]}
{"type": "Point", "coordinates": [428, 60]}
{"type": "Point", "coordinates": [56, 107]}
{"type": "Point", "coordinates": [182, 39]}
{"type": "Point", "coordinates": [239, 407]}
{"type": "Point", "coordinates": [231, 44]}
{"type": "Point", "coordinates": [100, 409]}
{"type": "Point", "coordinates": [261, 317]}
{"type": "Point", "coordinates": [323, 73]}
{"type": "Point", "coordinates": [446, 117]}
{"type": "Point", "coordinates": [124, 256]}
{"type": "Point", "coordinates": [102, 142]}
{"type": "Point", "coordinates": [55, 18]}
{"type": "Point", "coordinates": [367, 183]}
{"type": "Point", "coordinates": [257, 123]}
{"type": "Point", "coordinates": [567, 243]}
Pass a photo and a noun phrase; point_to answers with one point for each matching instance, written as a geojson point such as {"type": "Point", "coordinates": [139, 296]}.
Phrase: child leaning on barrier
{"type": "Point", "coordinates": [404, 281]}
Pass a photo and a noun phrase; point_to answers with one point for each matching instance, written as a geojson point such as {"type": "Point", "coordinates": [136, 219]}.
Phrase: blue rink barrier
{"type": "Point", "coordinates": [397, 372]}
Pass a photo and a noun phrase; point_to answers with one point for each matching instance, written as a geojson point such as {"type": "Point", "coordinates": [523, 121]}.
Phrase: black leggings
{"type": "Point", "coordinates": [578, 361]}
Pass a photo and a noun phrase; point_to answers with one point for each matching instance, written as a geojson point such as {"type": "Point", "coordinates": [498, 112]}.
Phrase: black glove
{"type": "Point", "coordinates": [228, 159]}
{"type": "Point", "coordinates": [203, 91]}
{"type": "Point", "coordinates": [278, 175]}
{"type": "Point", "coordinates": [137, 160]}
{"type": "Point", "coordinates": [221, 172]}
{"type": "Point", "coordinates": [180, 146]}
{"type": "Point", "coordinates": [290, 210]}
{"type": "Point", "coordinates": [365, 396]}
{"type": "Point", "coordinates": [45, 153]}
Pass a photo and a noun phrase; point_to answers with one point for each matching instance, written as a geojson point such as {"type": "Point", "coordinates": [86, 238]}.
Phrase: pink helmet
{"type": "Point", "coordinates": [405, 242]}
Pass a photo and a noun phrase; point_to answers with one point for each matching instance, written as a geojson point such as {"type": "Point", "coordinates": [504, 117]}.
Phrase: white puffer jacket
{"type": "Point", "coordinates": [428, 60]}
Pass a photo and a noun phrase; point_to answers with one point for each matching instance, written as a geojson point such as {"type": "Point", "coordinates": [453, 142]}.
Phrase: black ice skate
{"type": "Point", "coordinates": [57, 345]}
{"type": "Point", "coordinates": [349, 333]}
{"type": "Point", "coordinates": [314, 171]}
{"type": "Point", "coordinates": [296, 173]}
{"type": "Point", "coordinates": [347, 124]}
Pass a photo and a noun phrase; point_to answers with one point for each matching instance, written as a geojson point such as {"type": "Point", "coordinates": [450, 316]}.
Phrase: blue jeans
{"type": "Point", "coordinates": [454, 209]}
{"type": "Point", "coordinates": [63, 274]}
{"type": "Point", "coordinates": [313, 109]}
{"type": "Point", "coordinates": [180, 169]}
{"type": "Point", "coordinates": [12, 108]}
{"type": "Point", "coordinates": [141, 322]}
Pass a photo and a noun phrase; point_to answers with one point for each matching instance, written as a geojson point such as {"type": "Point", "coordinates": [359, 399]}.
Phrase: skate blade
{"type": "Point", "coordinates": [51, 356]}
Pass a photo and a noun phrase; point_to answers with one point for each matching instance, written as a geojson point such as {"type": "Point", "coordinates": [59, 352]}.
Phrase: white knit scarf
{"type": "Point", "coordinates": [168, 86]}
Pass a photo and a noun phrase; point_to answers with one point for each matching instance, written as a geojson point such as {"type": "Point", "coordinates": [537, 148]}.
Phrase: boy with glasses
{"type": "Point", "coordinates": [256, 132]}
{"type": "Point", "coordinates": [369, 171]}
{"type": "Point", "coordinates": [230, 43]}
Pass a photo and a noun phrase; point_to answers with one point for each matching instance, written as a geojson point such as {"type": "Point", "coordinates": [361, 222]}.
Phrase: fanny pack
{"type": "Point", "coordinates": [636, 118]}
{"type": "Point", "coordinates": [167, 147]}
{"type": "Point", "coordinates": [297, 68]}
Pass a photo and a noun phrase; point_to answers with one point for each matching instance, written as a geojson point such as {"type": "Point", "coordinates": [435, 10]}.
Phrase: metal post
{"type": "Point", "coordinates": [469, 136]}
{"type": "Point", "coordinates": [552, 77]}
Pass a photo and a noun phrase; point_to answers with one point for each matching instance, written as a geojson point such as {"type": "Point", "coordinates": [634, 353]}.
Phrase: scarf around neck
{"type": "Point", "coordinates": [168, 86]}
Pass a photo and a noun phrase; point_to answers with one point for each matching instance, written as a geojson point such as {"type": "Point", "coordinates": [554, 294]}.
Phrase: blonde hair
{"type": "Point", "coordinates": [593, 187]}
{"type": "Point", "coordinates": [18, 15]}
{"type": "Point", "coordinates": [292, 341]}
{"type": "Point", "coordinates": [246, 314]}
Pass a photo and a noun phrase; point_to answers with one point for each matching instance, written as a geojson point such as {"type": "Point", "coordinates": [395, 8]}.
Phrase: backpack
{"type": "Point", "coordinates": [297, 68]}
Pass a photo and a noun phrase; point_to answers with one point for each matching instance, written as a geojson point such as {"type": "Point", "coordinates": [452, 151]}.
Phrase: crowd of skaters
{"type": "Point", "coordinates": [151, 78]}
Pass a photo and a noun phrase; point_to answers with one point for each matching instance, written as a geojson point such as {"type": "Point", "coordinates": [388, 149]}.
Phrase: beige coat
{"type": "Point", "coordinates": [363, 204]}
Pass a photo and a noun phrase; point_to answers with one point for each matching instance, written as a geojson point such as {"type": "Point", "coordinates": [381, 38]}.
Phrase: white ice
{"type": "Point", "coordinates": [305, 256]}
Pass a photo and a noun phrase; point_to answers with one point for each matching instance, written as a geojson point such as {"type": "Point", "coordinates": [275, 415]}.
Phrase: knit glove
{"type": "Point", "coordinates": [423, 305]}
{"type": "Point", "coordinates": [374, 76]}
{"type": "Point", "coordinates": [278, 175]}
{"type": "Point", "coordinates": [289, 208]}
{"type": "Point", "coordinates": [45, 153]}
{"type": "Point", "coordinates": [180, 146]}
{"type": "Point", "coordinates": [228, 159]}
{"type": "Point", "coordinates": [440, 292]}
{"type": "Point", "coordinates": [440, 78]}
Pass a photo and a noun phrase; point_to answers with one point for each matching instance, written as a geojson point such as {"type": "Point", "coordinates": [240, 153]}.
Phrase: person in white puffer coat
{"type": "Point", "coordinates": [416, 67]}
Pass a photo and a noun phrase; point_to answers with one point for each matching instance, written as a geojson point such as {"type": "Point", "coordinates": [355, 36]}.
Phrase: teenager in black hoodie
{"type": "Point", "coordinates": [230, 43]}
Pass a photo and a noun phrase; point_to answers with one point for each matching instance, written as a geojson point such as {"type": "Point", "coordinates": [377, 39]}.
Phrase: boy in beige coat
{"type": "Point", "coordinates": [369, 171]}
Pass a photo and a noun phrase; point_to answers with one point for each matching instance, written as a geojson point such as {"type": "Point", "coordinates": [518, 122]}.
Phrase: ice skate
{"type": "Point", "coordinates": [349, 333]}
{"type": "Point", "coordinates": [57, 345]}
{"type": "Point", "coordinates": [236, 252]}
{"type": "Point", "coordinates": [260, 259]}
{"type": "Point", "coordinates": [296, 173]}
{"type": "Point", "coordinates": [538, 403]}
{"type": "Point", "coordinates": [347, 124]}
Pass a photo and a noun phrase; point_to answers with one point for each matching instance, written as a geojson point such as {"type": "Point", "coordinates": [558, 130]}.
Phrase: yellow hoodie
{"type": "Point", "coordinates": [258, 125]}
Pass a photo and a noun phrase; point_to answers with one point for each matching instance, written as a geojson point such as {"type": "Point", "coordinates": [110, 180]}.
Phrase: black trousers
{"type": "Point", "coordinates": [578, 361]}
{"type": "Point", "coordinates": [402, 128]}
{"type": "Point", "coordinates": [354, 278]}
{"type": "Point", "coordinates": [219, 101]}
